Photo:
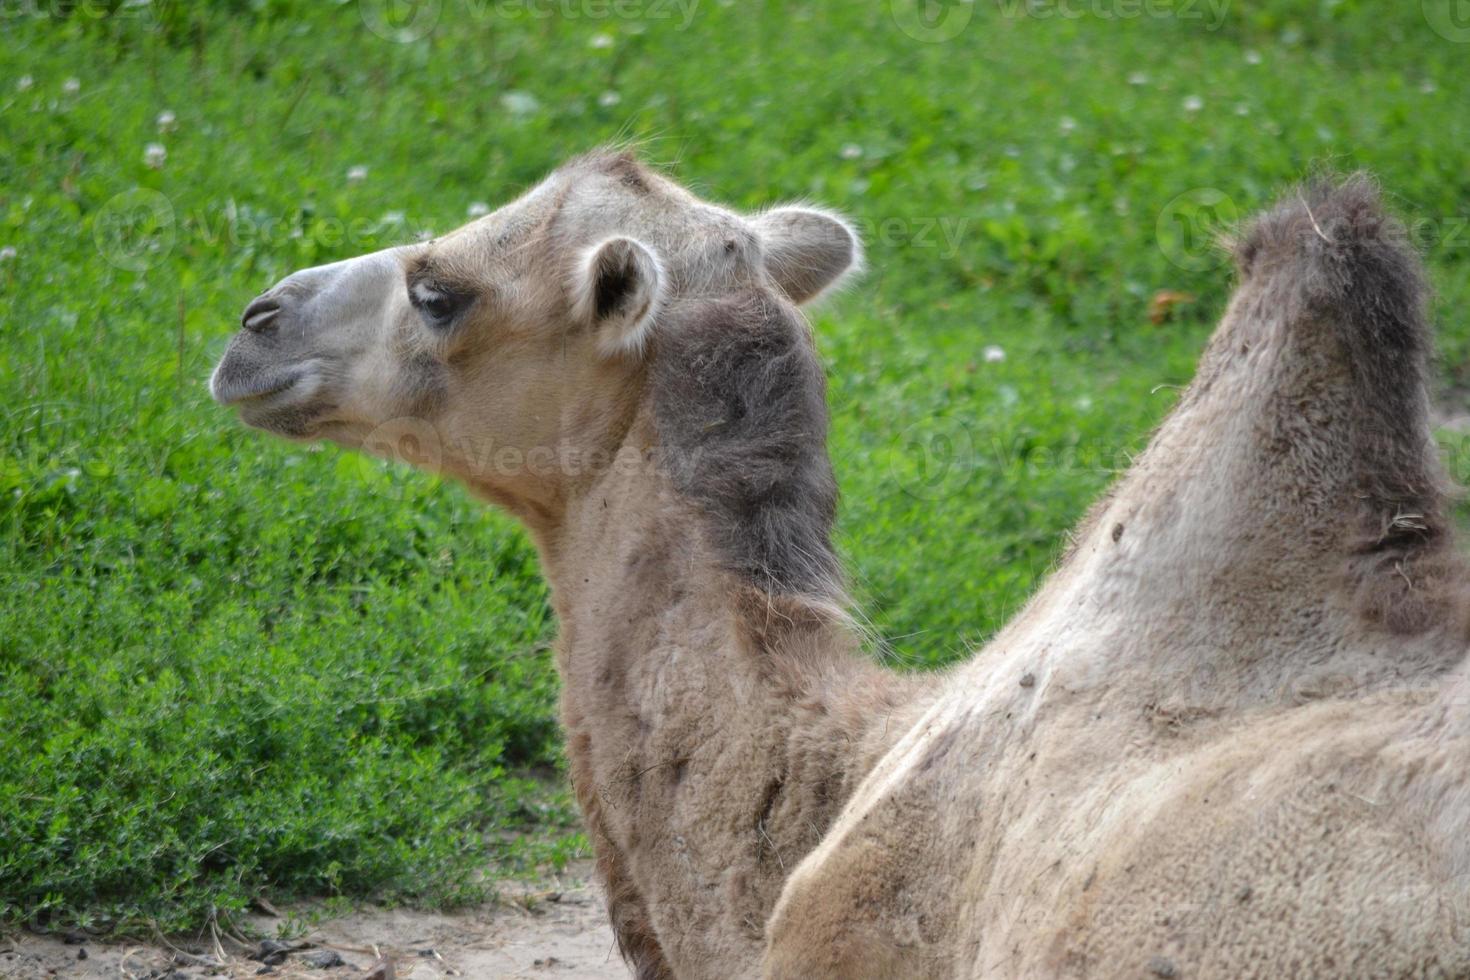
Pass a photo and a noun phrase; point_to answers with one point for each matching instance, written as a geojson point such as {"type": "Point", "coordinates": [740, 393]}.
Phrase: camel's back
{"type": "Point", "coordinates": [1285, 853]}
{"type": "Point", "coordinates": [1318, 841]}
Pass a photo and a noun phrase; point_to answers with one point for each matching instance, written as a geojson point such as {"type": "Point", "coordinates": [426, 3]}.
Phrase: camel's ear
{"type": "Point", "coordinates": [808, 251]}
{"type": "Point", "coordinates": [618, 289]}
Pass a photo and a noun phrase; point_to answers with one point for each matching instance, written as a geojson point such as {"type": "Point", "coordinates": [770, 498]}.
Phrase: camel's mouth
{"type": "Point", "coordinates": [288, 368]}
{"type": "Point", "coordinates": [283, 400]}
{"type": "Point", "coordinates": [265, 389]}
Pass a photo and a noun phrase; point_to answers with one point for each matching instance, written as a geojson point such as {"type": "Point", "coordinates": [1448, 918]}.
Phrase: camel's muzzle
{"type": "Point", "coordinates": [299, 341]}
{"type": "Point", "coordinates": [245, 373]}
{"type": "Point", "coordinates": [269, 371]}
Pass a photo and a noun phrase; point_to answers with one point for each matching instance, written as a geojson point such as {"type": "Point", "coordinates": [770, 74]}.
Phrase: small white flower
{"type": "Point", "coordinates": [1193, 103]}
{"type": "Point", "coordinates": [609, 99]}
{"type": "Point", "coordinates": [1242, 109]}
{"type": "Point", "coordinates": [601, 41]}
{"type": "Point", "coordinates": [71, 86]}
{"type": "Point", "coordinates": [8, 253]}
{"type": "Point", "coordinates": [478, 209]}
{"type": "Point", "coordinates": [519, 103]}
{"type": "Point", "coordinates": [357, 174]}
{"type": "Point", "coordinates": [1253, 57]}
{"type": "Point", "coordinates": [1137, 78]}
{"type": "Point", "coordinates": [24, 83]}
{"type": "Point", "coordinates": [1428, 88]}
{"type": "Point", "coordinates": [994, 354]}
{"type": "Point", "coordinates": [1067, 124]}
{"type": "Point", "coordinates": [850, 151]}
{"type": "Point", "coordinates": [167, 122]}
{"type": "Point", "coordinates": [155, 155]}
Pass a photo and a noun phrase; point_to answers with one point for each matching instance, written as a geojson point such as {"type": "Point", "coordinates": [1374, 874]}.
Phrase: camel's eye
{"type": "Point", "coordinates": [438, 306]}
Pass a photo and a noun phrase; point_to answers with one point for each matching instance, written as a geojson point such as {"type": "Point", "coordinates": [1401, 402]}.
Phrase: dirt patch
{"type": "Point", "coordinates": [547, 930]}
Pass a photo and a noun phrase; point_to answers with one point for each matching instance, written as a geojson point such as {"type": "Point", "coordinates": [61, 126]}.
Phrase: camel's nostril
{"type": "Point", "coordinates": [260, 314]}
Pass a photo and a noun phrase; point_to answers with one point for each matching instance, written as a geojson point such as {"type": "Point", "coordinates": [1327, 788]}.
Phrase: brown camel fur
{"type": "Point", "coordinates": [1225, 739]}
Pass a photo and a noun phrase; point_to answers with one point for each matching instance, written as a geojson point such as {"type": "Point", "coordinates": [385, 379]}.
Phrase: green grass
{"type": "Point", "coordinates": [233, 667]}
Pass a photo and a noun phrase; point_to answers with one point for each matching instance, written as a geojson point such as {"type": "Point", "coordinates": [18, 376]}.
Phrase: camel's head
{"type": "Point", "coordinates": [490, 352]}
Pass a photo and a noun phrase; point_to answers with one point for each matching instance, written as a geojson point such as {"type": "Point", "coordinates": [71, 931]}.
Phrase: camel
{"type": "Point", "coordinates": [1225, 738]}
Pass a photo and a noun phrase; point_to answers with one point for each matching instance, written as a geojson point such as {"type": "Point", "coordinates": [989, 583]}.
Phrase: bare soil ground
{"type": "Point", "coordinates": [546, 930]}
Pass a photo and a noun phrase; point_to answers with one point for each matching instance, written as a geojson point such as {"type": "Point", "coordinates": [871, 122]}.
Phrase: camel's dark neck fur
{"type": "Point", "coordinates": [740, 406]}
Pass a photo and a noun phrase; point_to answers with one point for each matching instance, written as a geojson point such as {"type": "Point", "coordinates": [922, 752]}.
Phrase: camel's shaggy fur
{"type": "Point", "coordinates": [1227, 738]}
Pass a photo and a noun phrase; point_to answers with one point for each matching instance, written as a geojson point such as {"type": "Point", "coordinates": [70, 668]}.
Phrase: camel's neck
{"type": "Point", "coordinates": [714, 727]}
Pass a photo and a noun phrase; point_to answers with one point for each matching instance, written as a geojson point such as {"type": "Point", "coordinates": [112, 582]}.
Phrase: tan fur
{"type": "Point", "coordinates": [1227, 738]}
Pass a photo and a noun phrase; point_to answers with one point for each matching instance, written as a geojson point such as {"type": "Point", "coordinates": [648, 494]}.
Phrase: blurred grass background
{"type": "Point", "coordinates": [232, 667]}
